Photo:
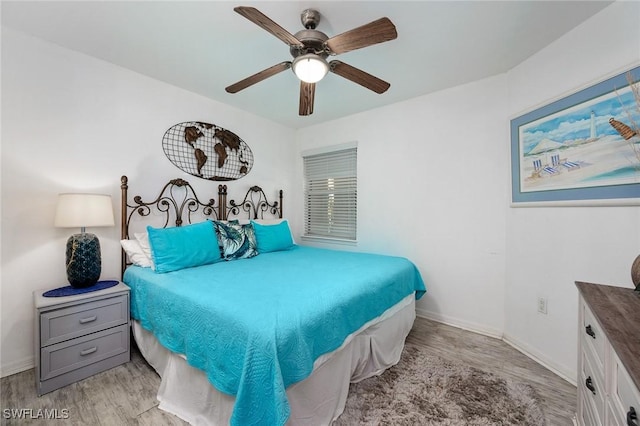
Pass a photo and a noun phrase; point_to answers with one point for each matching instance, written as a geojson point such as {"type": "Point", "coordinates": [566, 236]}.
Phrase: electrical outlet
{"type": "Point", "coordinates": [542, 305]}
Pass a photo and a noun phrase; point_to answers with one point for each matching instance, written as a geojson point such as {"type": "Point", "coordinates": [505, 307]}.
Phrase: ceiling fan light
{"type": "Point", "coordinates": [310, 68]}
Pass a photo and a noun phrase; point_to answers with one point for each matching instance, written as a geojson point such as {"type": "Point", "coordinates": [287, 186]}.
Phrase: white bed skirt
{"type": "Point", "coordinates": [317, 400]}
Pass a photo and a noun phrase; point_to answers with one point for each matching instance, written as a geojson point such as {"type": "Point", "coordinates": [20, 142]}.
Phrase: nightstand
{"type": "Point", "coordinates": [79, 336]}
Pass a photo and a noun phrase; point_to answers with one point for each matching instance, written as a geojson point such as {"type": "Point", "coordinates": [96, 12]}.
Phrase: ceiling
{"type": "Point", "coordinates": [205, 46]}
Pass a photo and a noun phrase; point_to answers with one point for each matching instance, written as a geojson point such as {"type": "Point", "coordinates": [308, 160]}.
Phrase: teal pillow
{"type": "Point", "coordinates": [183, 246]}
{"type": "Point", "coordinates": [273, 237]}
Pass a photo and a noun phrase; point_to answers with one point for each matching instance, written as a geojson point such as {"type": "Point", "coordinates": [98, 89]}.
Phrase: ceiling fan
{"type": "Point", "coordinates": [310, 49]}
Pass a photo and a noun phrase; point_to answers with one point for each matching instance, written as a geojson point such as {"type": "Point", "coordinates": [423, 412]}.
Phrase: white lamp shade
{"type": "Point", "coordinates": [310, 68]}
{"type": "Point", "coordinates": [83, 210]}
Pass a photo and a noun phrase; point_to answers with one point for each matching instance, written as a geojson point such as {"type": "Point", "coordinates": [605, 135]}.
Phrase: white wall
{"type": "Point", "coordinates": [550, 248]}
{"type": "Point", "coordinates": [71, 123]}
{"type": "Point", "coordinates": [432, 187]}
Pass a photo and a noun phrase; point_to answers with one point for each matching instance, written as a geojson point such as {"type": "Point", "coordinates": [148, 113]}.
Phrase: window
{"type": "Point", "coordinates": [330, 193]}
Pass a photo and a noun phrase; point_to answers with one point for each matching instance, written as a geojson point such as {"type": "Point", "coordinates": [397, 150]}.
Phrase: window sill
{"type": "Point", "coordinates": [328, 240]}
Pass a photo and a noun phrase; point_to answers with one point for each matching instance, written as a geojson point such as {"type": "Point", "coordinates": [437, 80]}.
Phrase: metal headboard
{"type": "Point", "coordinates": [177, 203]}
{"type": "Point", "coordinates": [255, 204]}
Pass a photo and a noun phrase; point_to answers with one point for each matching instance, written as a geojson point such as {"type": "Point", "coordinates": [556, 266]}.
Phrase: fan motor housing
{"type": "Point", "coordinates": [313, 41]}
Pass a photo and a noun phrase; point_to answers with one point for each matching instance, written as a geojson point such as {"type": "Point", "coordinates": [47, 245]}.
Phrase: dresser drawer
{"type": "Point", "coordinates": [73, 354]}
{"type": "Point", "coordinates": [592, 378]}
{"type": "Point", "coordinates": [67, 323]}
{"type": "Point", "coordinates": [593, 336]}
{"type": "Point", "coordinates": [612, 417]}
{"type": "Point", "coordinates": [587, 417]}
{"type": "Point", "coordinates": [624, 394]}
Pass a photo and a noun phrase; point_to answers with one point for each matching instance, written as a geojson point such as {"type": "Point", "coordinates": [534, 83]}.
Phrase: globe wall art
{"type": "Point", "coordinates": [207, 151]}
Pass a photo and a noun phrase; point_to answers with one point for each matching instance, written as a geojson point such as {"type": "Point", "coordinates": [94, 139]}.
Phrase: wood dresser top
{"type": "Point", "coordinates": [617, 309]}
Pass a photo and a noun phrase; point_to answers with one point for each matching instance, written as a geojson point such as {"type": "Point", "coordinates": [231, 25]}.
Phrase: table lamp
{"type": "Point", "coordinates": [83, 249]}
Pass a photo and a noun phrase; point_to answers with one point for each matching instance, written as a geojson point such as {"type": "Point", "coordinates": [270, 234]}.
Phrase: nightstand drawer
{"type": "Point", "coordinates": [63, 324]}
{"type": "Point", "coordinates": [67, 356]}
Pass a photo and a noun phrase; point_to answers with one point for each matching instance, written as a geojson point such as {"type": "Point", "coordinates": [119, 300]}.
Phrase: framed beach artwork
{"type": "Point", "coordinates": [582, 149]}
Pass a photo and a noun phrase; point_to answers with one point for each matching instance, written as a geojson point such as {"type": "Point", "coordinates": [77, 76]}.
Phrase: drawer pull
{"type": "Point", "coordinates": [590, 331]}
{"type": "Point", "coordinates": [589, 384]}
{"type": "Point", "coordinates": [632, 417]}
{"type": "Point", "coordinates": [92, 350]}
{"type": "Point", "coordinates": [88, 319]}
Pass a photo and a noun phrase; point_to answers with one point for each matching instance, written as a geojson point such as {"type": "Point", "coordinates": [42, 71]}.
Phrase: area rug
{"type": "Point", "coordinates": [428, 390]}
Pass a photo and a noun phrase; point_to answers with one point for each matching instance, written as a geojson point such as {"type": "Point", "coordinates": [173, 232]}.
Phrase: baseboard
{"type": "Point", "coordinates": [541, 359]}
{"type": "Point", "coordinates": [17, 367]}
{"type": "Point", "coordinates": [456, 322]}
{"type": "Point", "coordinates": [499, 334]}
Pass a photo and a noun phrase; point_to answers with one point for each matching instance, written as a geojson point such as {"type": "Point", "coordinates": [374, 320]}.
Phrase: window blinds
{"type": "Point", "coordinates": [331, 194]}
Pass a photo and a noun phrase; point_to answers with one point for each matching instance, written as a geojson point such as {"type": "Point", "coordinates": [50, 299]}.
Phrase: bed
{"type": "Point", "coordinates": [272, 337]}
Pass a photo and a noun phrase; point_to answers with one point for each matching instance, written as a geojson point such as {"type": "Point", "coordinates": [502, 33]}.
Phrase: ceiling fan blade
{"type": "Point", "coordinates": [374, 32]}
{"type": "Point", "coordinates": [258, 77]}
{"type": "Point", "coordinates": [358, 76]}
{"type": "Point", "coordinates": [263, 21]}
{"type": "Point", "coordinates": [307, 94]}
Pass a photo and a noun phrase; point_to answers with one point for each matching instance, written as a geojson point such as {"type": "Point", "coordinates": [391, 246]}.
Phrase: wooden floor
{"type": "Point", "coordinates": [495, 356]}
{"type": "Point", "coordinates": [125, 395]}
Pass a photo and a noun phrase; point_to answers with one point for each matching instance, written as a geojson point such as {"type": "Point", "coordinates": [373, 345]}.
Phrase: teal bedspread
{"type": "Point", "coordinates": [256, 326]}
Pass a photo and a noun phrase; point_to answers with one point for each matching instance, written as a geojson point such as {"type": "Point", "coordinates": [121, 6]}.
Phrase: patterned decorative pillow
{"type": "Point", "coordinates": [236, 241]}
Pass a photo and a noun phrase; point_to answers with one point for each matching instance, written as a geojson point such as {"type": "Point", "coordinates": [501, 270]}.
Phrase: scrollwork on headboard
{"type": "Point", "coordinates": [255, 203]}
{"type": "Point", "coordinates": [177, 202]}
{"type": "Point", "coordinates": [175, 199]}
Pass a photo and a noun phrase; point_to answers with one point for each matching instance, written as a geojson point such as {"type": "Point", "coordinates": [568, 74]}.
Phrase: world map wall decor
{"type": "Point", "coordinates": [207, 151]}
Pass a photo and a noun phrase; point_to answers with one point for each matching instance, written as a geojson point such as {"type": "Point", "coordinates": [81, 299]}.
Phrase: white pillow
{"type": "Point", "coordinates": [135, 253]}
{"type": "Point", "coordinates": [143, 240]}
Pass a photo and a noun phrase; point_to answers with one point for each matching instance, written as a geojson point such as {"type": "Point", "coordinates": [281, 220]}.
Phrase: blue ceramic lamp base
{"type": "Point", "coordinates": [83, 260]}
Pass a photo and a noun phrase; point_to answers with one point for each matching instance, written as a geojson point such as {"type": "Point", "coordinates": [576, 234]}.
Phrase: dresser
{"type": "Point", "coordinates": [608, 355]}
{"type": "Point", "coordinates": [79, 336]}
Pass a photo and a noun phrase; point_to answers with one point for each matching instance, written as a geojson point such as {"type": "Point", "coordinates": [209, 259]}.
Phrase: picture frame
{"type": "Point", "coordinates": [582, 149]}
